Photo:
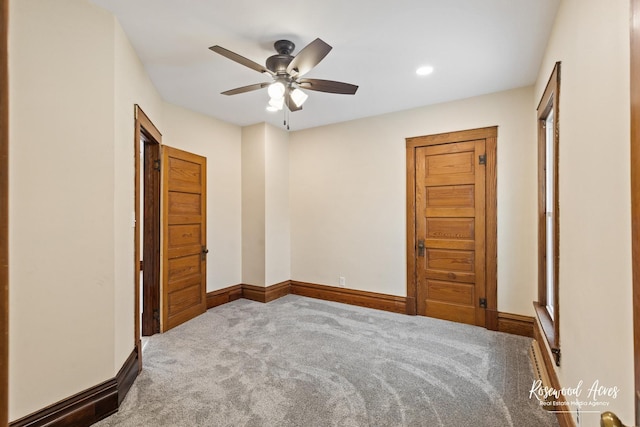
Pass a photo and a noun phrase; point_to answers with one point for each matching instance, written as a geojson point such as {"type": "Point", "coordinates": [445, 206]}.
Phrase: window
{"type": "Point", "coordinates": [549, 214]}
{"type": "Point", "coordinates": [547, 306]}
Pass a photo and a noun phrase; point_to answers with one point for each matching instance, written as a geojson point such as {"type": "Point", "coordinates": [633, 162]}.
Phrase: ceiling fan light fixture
{"type": "Point", "coordinates": [276, 90]}
{"type": "Point", "coordinates": [298, 97]}
{"type": "Point", "coordinates": [286, 71]}
{"type": "Point", "coordinates": [277, 103]}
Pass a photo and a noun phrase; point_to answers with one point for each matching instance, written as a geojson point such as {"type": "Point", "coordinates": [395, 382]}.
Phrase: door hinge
{"type": "Point", "coordinates": [156, 165]}
{"type": "Point", "coordinates": [482, 159]}
{"type": "Point", "coordinates": [556, 355]}
{"type": "Point", "coordinates": [483, 303]}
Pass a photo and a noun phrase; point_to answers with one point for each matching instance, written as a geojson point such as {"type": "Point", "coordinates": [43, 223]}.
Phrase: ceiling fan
{"type": "Point", "coordinates": [287, 71]}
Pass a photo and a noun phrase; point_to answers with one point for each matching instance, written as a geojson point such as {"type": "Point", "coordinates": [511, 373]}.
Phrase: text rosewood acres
{"type": "Point", "coordinates": [595, 393]}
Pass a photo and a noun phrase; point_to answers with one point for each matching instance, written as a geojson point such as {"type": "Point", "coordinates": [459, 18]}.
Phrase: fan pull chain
{"type": "Point", "coordinates": [285, 113]}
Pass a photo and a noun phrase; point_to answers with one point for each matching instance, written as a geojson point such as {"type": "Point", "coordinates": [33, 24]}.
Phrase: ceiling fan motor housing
{"type": "Point", "coordinates": [279, 63]}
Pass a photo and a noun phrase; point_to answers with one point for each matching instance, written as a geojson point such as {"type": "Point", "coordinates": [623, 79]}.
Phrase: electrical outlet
{"type": "Point", "coordinates": [341, 281]}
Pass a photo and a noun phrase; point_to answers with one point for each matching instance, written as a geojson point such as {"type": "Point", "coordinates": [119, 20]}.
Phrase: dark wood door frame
{"type": "Point", "coordinates": [150, 236]}
{"type": "Point", "coordinates": [146, 131]}
{"type": "Point", "coordinates": [635, 190]}
{"type": "Point", "coordinates": [4, 215]}
{"type": "Point", "coordinates": [490, 135]}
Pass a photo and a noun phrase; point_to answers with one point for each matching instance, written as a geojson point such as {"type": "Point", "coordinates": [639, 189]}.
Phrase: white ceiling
{"type": "Point", "coordinates": [475, 46]}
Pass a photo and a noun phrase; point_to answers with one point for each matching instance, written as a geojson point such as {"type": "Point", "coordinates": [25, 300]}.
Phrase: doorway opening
{"type": "Point", "coordinates": [150, 235]}
{"type": "Point", "coordinates": [147, 228]}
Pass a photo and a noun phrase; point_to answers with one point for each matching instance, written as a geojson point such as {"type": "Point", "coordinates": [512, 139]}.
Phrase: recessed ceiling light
{"type": "Point", "coordinates": [424, 70]}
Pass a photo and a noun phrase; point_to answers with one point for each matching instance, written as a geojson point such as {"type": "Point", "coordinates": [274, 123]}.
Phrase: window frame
{"type": "Point", "coordinates": [549, 103]}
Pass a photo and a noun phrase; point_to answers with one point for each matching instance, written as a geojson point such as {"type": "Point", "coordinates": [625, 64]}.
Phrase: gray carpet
{"type": "Point", "coordinates": [303, 362]}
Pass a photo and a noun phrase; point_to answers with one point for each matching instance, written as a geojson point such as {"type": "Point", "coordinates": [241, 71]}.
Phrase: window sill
{"type": "Point", "coordinates": [548, 329]}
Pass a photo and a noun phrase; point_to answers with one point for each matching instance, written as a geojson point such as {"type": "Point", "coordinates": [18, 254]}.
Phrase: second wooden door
{"type": "Point", "coordinates": [450, 231]}
{"type": "Point", "coordinates": [184, 249]}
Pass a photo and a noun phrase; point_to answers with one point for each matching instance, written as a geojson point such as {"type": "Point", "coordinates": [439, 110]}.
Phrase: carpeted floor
{"type": "Point", "coordinates": [303, 362]}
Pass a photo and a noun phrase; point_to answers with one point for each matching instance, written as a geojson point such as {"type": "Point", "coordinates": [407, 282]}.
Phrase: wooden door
{"type": "Point", "coordinates": [183, 236]}
{"type": "Point", "coordinates": [450, 231]}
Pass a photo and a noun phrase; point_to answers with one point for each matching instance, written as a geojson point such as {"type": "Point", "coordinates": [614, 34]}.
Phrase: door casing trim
{"type": "Point", "coordinates": [4, 214]}
{"type": "Point", "coordinates": [490, 135]}
{"type": "Point", "coordinates": [143, 125]}
{"type": "Point", "coordinates": [635, 189]}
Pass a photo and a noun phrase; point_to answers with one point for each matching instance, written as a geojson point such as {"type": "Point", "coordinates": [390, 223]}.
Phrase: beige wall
{"type": "Point", "coordinates": [591, 38]}
{"type": "Point", "coordinates": [61, 201]}
{"type": "Point", "coordinates": [265, 205]}
{"type": "Point", "coordinates": [71, 196]}
{"type": "Point", "coordinates": [253, 205]}
{"type": "Point", "coordinates": [277, 219]}
{"type": "Point", "coordinates": [348, 195]}
{"type": "Point", "coordinates": [219, 142]}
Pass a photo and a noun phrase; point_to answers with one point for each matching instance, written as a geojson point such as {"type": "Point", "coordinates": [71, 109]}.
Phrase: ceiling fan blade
{"type": "Point", "coordinates": [289, 102]}
{"type": "Point", "coordinates": [244, 89]}
{"type": "Point", "coordinates": [240, 59]}
{"type": "Point", "coordinates": [308, 57]}
{"type": "Point", "coordinates": [328, 86]}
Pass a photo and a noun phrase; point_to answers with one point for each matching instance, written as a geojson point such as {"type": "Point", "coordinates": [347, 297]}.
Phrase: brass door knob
{"type": "Point", "coordinates": [609, 419]}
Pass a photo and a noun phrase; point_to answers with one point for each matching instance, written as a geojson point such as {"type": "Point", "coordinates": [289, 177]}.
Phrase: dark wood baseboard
{"type": "Point", "coordinates": [516, 324]}
{"type": "Point", "coordinates": [504, 322]}
{"type": "Point", "coordinates": [252, 292]}
{"type": "Point", "coordinates": [89, 406]}
{"type": "Point", "coordinates": [82, 409]}
{"type": "Point", "coordinates": [127, 375]}
{"type": "Point", "coordinates": [375, 300]}
{"type": "Point", "coordinates": [266, 294]}
{"type": "Point", "coordinates": [564, 418]}
{"type": "Point", "coordinates": [223, 296]}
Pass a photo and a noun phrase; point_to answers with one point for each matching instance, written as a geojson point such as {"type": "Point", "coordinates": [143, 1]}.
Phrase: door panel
{"type": "Point", "coordinates": [450, 196]}
{"type": "Point", "coordinates": [454, 312]}
{"type": "Point", "coordinates": [184, 234]}
{"type": "Point", "coordinates": [452, 292]}
{"type": "Point", "coordinates": [184, 266]}
{"type": "Point", "coordinates": [450, 220]}
{"type": "Point", "coordinates": [460, 229]}
{"type": "Point", "coordinates": [450, 260]}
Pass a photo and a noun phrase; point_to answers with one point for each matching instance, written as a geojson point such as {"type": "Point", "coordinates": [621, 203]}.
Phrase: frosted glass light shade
{"type": "Point", "coordinates": [277, 103]}
{"type": "Point", "coordinates": [276, 90]}
{"type": "Point", "coordinates": [298, 97]}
